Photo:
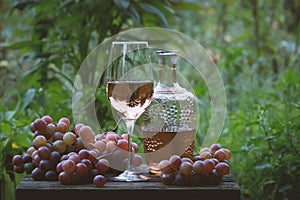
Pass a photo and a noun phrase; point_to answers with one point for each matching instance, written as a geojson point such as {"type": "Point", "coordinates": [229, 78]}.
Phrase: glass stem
{"type": "Point", "coordinates": [130, 126]}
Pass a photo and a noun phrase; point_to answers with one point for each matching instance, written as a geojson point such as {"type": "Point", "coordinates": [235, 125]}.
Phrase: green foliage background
{"type": "Point", "coordinates": [254, 43]}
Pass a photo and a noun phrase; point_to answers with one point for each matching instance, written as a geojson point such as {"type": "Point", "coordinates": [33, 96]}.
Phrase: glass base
{"type": "Point", "coordinates": [130, 176]}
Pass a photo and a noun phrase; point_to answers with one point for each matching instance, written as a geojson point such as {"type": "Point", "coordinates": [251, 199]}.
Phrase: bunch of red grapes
{"type": "Point", "coordinates": [72, 157]}
{"type": "Point", "coordinates": [208, 167]}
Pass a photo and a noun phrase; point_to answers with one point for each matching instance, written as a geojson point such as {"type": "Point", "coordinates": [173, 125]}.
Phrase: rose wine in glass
{"type": "Point", "coordinates": [129, 90]}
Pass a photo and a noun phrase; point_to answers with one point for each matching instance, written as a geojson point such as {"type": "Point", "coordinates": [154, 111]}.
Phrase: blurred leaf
{"type": "Point", "coordinates": [6, 128]}
{"type": "Point", "coordinates": [285, 187]}
{"type": "Point", "coordinates": [27, 98]}
{"type": "Point", "coordinates": [263, 166]}
{"type": "Point", "coordinates": [20, 45]}
{"type": "Point", "coordinates": [134, 14]}
{"type": "Point", "coordinates": [123, 4]}
{"type": "Point", "coordinates": [151, 9]}
{"type": "Point", "coordinates": [189, 6]}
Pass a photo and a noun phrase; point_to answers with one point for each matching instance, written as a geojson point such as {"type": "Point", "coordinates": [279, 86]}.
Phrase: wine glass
{"type": "Point", "coordinates": [129, 90]}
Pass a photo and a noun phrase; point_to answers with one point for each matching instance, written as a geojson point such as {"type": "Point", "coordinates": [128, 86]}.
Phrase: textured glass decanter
{"type": "Point", "coordinates": [169, 123]}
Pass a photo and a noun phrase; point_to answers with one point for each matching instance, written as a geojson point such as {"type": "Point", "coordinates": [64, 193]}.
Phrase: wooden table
{"type": "Point", "coordinates": [54, 190]}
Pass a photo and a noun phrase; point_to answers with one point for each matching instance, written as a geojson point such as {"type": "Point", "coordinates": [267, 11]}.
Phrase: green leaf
{"type": "Point", "coordinates": [134, 14]}
{"type": "Point", "coordinates": [20, 45]}
{"type": "Point", "coordinates": [6, 128]}
{"type": "Point", "coordinates": [263, 166]}
{"type": "Point", "coordinates": [9, 114]}
{"type": "Point", "coordinates": [285, 187]}
{"type": "Point", "coordinates": [27, 98]}
{"type": "Point", "coordinates": [187, 6]}
{"type": "Point", "coordinates": [291, 78]}
{"type": "Point", "coordinates": [151, 9]}
{"type": "Point", "coordinates": [123, 4]}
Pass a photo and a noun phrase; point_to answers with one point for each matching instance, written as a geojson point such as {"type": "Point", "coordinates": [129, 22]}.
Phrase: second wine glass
{"type": "Point", "coordinates": [129, 90]}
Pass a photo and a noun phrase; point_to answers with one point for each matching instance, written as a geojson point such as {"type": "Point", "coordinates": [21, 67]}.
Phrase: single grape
{"type": "Point", "coordinates": [125, 136]}
{"type": "Point", "coordinates": [102, 165]}
{"type": "Point", "coordinates": [215, 147]}
{"type": "Point", "coordinates": [77, 127]}
{"type": "Point", "coordinates": [209, 165]}
{"type": "Point", "coordinates": [37, 174]}
{"type": "Point", "coordinates": [58, 136]}
{"type": "Point", "coordinates": [79, 144]}
{"type": "Point", "coordinates": [45, 165]}
{"type": "Point", "coordinates": [39, 141]}
{"type": "Point", "coordinates": [220, 155]}
{"type": "Point", "coordinates": [205, 149]}
{"type": "Point", "coordinates": [51, 175]}
{"type": "Point", "coordinates": [69, 138]}
{"type": "Point", "coordinates": [59, 146]}
{"type": "Point", "coordinates": [88, 164]}
{"type": "Point", "coordinates": [69, 166]}
{"type": "Point", "coordinates": [61, 127]}
{"type": "Point", "coordinates": [175, 161]}
{"type": "Point", "coordinates": [99, 136]}
{"type": "Point", "coordinates": [199, 167]}
{"type": "Point", "coordinates": [54, 157]}
{"type": "Point", "coordinates": [100, 145]}
{"type": "Point", "coordinates": [118, 155]}
{"type": "Point", "coordinates": [186, 168]}
{"type": "Point", "coordinates": [93, 156]}
{"type": "Point", "coordinates": [40, 125]}
{"type": "Point", "coordinates": [49, 145]}
{"type": "Point", "coordinates": [222, 168]}
{"type": "Point", "coordinates": [197, 157]}
{"type": "Point", "coordinates": [83, 154]}
{"type": "Point", "coordinates": [205, 155]}
{"type": "Point", "coordinates": [50, 130]}
{"type": "Point", "coordinates": [19, 168]}
{"type": "Point", "coordinates": [216, 161]}
{"type": "Point", "coordinates": [167, 178]}
{"type": "Point", "coordinates": [112, 136]}
{"type": "Point", "coordinates": [99, 181]}
{"type": "Point", "coordinates": [65, 178]}
{"type": "Point", "coordinates": [47, 119]}
{"type": "Point", "coordinates": [122, 144]}
{"type": "Point", "coordinates": [165, 166]}
{"type": "Point", "coordinates": [75, 158]}
{"type": "Point", "coordinates": [59, 168]}
{"type": "Point", "coordinates": [86, 134]}
{"type": "Point", "coordinates": [135, 147]}
{"type": "Point", "coordinates": [17, 160]}
{"type": "Point", "coordinates": [36, 160]}
{"type": "Point", "coordinates": [44, 152]}
{"type": "Point", "coordinates": [30, 150]}
{"type": "Point", "coordinates": [227, 153]}
{"type": "Point", "coordinates": [94, 172]}
{"type": "Point", "coordinates": [81, 169]}
{"type": "Point", "coordinates": [71, 154]}
{"type": "Point", "coordinates": [187, 160]}
{"type": "Point", "coordinates": [137, 160]}
{"type": "Point", "coordinates": [32, 128]}
{"type": "Point", "coordinates": [111, 146]}
{"type": "Point", "coordinates": [64, 157]}
{"type": "Point", "coordinates": [28, 167]}
{"type": "Point", "coordinates": [65, 120]}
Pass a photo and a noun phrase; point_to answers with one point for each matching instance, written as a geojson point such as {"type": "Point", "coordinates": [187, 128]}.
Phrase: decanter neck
{"type": "Point", "coordinates": [167, 61]}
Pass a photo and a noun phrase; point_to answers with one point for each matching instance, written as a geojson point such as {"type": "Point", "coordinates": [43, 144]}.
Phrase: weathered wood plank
{"type": "Point", "coordinates": [30, 189]}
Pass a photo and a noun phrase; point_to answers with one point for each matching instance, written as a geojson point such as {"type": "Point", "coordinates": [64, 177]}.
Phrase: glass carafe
{"type": "Point", "coordinates": [169, 123]}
